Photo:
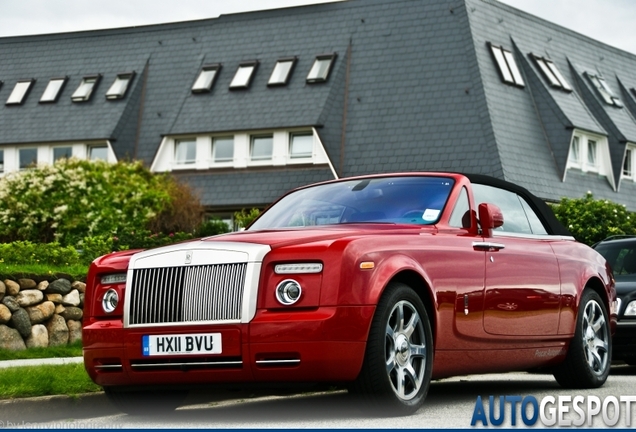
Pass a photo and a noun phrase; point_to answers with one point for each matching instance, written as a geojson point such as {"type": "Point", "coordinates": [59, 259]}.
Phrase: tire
{"type": "Point", "coordinates": [145, 402]}
{"type": "Point", "coordinates": [396, 371]}
{"type": "Point", "coordinates": [587, 363]}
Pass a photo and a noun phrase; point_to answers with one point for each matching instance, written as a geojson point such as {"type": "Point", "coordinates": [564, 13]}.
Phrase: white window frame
{"type": "Point", "coordinates": [282, 71]}
{"type": "Point", "coordinates": [60, 146]}
{"type": "Point", "coordinates": [509, 72]}
{"type": "Point", "coordinates": [630, 155]}
{"type": "Point", "coordinates": [318, 72]}
{"type": "Point", "coordinates": [602, 162]}
{"type": "Point", "coordinates": [244, 75]}
{"type": "Point", "coordinates": [53, 90]}
{"type": "Point", "coordinates": [302, 157]}
{"type": "Point", "coordinates": [17, 154]}
{"type": "Point", "coordinates": [20, 92]}
{"type": "Point", "coordinates": [603, 89]}
{"type": "Point", "coordinates": [222, 162]}
{"type": "Point", "coordinates": [551, 73]}
{"type": "Point", "coordinates": [1, 160]}
{"type": "Point", "coordinates": [261, 160]}
{"type": "Point", "coordinates": [86, 88]}
{"type": "Point", "coordinates": [189, 163]}
{"type": "Point", "coordinates": [206, 78]}
{"type": "Point", "coordinates": [119, 87]}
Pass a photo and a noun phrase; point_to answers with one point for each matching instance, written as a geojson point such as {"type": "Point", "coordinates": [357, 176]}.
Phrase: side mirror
{"type": "Point", "coordinates": [490, 217]}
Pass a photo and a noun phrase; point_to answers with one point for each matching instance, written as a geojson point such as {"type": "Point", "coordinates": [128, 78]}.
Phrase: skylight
{"type": "Point", "coordinates": [603, 90]}
{"type": "Point", "coordinates": [119, 88]}
{"type": "Point", "coordinates": [282, 71]}
{"type": "Point", "coordinates": [321, 68]}
{"type": "Point", "coordinates": [508, 69]}
{"type": "Point", "coordinates": [20, 92]}
{"type": "Point", "coordinates": [205, 79]}
{"type": "Point", "coordinates": [551, 73]}
{"type": "Point", "coordinates": [85, 89]}
{"type": "Point", "coordinates": [244, 75]}
{"type": "Point", "coordinates": [53, 90]}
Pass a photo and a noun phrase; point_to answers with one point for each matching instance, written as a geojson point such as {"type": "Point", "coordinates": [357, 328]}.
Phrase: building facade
{"type": "Point", "coordinates": [247, 106]}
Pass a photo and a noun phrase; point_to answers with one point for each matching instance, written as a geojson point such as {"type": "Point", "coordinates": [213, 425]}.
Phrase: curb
{"type": "Point", "coordinates": [20, 412]}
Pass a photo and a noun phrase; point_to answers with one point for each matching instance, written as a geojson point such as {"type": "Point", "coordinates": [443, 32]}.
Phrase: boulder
{"type": "Point", "coordinates": [55, 298]}
{"type": "Point", "coordinates": [12, 287]}
{"type": "Point", "coordinates": [9, 301]}
{"type": "Point", "coordinates": [74, 331]}
{"type": "Point", "coordinates": [39, 337]}
{"type": "Point", "coordinates": [26, 284]}
{"type": "Point", "coordinates": [59, 309]}
{"type": "Point", "coordinates": [10, 339]}
{"type": "Point", "coordinates": [72, 313]}
{"type": "Point", "coordinates": [5, 314]}
{"type": "Point", "coordinates": [58, 331]}
{"type": "Point", "coordinates": [80, 286]}
{"type": "Point", "coordinates": [72, 298]}
{"type": "Point", "coordinates": [3, 290]}
{"type": "Point", "coordinates": [59, 286]}
{"type": "Point", "coordinates": [41, 312]}
{"type": "Point", "coordinates": [82, 295]}
{"type": "Point", "coordinates": [42, 286]}
{"type": "Point", "coordinates": [29, 297]}
{"type": "Point", "coordinates": [21, 322]}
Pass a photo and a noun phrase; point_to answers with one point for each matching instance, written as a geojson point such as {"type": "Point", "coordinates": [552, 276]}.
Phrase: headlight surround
{"type": "Point", "coordinates": [298, 268]}
{"type": "Point", "coordinates": [630, 309]}
{"type": "Point", "coordinates": [288, 292]}
{"type": "Point", "coordinates": [110, 301]}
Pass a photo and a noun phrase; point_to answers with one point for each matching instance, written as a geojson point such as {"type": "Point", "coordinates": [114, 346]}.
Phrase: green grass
{"type": "Point", "coordinates": [45, 380]}
{"type": "Point", "coordinates": [74, 350]}
{"type": "Point", "coordinates": [42, 271]}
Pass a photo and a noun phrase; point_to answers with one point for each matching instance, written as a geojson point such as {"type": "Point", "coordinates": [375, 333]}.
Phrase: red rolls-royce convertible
{"type": "Point", "coordinates": [378, 283]}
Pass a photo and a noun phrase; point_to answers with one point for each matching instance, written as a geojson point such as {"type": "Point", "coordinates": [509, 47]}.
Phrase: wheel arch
{"type": "Point", "coordinates": [422, 289]}
{"type": "Point", "coordinates": [597, 285]}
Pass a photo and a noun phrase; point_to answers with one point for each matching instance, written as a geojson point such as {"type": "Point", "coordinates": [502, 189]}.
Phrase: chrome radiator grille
{"type": "Point", "coordinates": [187, 294]}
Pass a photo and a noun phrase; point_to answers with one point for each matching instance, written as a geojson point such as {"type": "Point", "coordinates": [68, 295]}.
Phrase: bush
{"type": "Point", "coordinates": [591, 220]}
{"type": "Point", "coordinates": [243, 218]}
{"type": "Point", "coordinates": [25, 252]}
{"type": "Point", "coordinates": [212, 227]}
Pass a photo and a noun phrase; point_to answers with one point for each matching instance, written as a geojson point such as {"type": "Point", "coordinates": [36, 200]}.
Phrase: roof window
{"type": "Point", "coordinates": [603, 90]}
{"type": "Point", "coordinates": [551, 73]}
{"type": "Point", "coordinates": [205, 79]}
{"type": "Point", "coordinates": [508, 69]}
{"type": "Point", "coordinates": [282, 72]}
{"type": "Point", "coordinates": [20, 92]}
{"type": "Point", "coordinates": [85, 89]}
{"type": "Point", "coordinates": [321, 68]}
{"type": "Point", "coordinates": [119, 88]}
{"type": "Point", "coordinates": [244, 75]}
{"type": "Point", "coordinates": [53, 90]}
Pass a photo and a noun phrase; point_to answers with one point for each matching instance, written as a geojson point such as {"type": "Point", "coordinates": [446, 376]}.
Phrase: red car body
{"type": "Point", "coordinates": [497, 301]}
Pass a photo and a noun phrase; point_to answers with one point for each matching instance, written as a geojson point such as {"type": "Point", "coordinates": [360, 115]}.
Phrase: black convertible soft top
{"type": "Point", "coordinates": [551, 223]}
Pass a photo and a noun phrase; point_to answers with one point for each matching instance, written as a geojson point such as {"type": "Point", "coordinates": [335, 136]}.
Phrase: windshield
{"type": "Point", "coordinates": [621, 256]}
{"type": "Point", "coordinates": [412, 200]}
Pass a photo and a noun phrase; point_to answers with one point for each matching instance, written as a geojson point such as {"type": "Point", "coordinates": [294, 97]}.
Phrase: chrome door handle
{"type": "Point", "coordinates": [488, 246]}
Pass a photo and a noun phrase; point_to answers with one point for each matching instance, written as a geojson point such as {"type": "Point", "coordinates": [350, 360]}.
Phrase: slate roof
{"type": "Point", "coordinates": [414, 87]}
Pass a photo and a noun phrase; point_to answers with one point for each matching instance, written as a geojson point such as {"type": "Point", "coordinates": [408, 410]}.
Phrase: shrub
{"type": "Point", "coordinates": [212, 227]}
{"type": "Point", "coordinates": [25, 252]}
{"type": "Point", "coordinates": [591, 220]}
{"type": "Point", "coordinates": [243, 218]}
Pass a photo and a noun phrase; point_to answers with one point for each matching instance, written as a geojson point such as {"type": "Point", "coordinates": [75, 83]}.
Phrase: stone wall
{"type": "Point", "coordinates": [40, 314]}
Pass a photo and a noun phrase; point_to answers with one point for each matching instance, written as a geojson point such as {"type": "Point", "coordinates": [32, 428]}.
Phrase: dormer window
{"type": "Point", "coordinates": [551, 73]}
{"type": "Point", "coordinates": [119, 88]}
{"type": "Point", "coordinates": [628, 162]}
{"type": "Point", "coordinates": [185, 151]}
{"type": "Point", "coordinates": [282, 71]}
{"type": "Point", "coordinates": [20, 92]}
{"type": "Point", "coordinates": [1, 161]}
{"type": "Point", "coordinates": [85, 89]}
{"type": "Point", "coordinates": [603, 90]}
{"type": "Point", "coordinates": [321, 68]}
{"type": "Point", "coordinates": [507, 66]}
{"type": "Point", "coordinates": [244, 75]}
{"type": "Point", "coordinates": [53, 90]}
{"type": "Point", "coordinates": [206, 78]}
{"type": "Point", "coordinates": [589, 153]}
{"type": "Point", "coordinates": [301, 145]}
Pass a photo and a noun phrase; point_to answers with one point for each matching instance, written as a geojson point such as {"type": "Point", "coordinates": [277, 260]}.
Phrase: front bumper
{"type": "Point", "coordinates": [624, 340]}
{"type": "Point", "coordinates": [322, 345]}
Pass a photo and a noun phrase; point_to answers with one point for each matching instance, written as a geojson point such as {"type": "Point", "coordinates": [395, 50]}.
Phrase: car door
{"type": "Point", "coordinates": [522, 287]}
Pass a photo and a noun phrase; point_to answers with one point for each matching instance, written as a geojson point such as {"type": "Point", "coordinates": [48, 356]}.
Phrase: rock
{"type": "Point", "coordinates": [26, 284]}
{"type": "Point", "coordinates": [74, 331]}
{"type": "Point", "coordinates": [3, 290]}
{"type": "Point", "coordinates": [29, 297]}
{"type": "Point", "coordinates": [59, 286]}
{"type": "Point", "coordinates": [58, 331]}
{"type": "Point", "coordinates": [55, 298]}
{"type": "Point", "coordinates": [72, 313]}
{"type": "Point", "coordinates": [41, 312]}
{"type": "Point", "coordinates": [10, 339]}
{"type": "Point", "coordinates": [82, 295]}
{"type": "Point", "coordinates": [39, 337]}
{"type": "Point", "coordinates": [5, 314]}
{"type": "Point", "coordinates": [71, 299]}
{"type": "Point", "coordinates": [12, 287]}
{"type": "Point", "coordinates": [9, 301]}
{"type": "Point", "coordinates": [42, 286]}
{"type": "Point", "coordinates": [21, 322]}
{"type": "Point", "coordinates": [80, 286]}
{"type": "Point", "coordinates": [59, 309]}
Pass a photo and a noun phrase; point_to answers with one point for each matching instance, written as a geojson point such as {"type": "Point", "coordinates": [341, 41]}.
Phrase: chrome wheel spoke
{"type": "Point", "coordinates": [418, 351]}
{"type": "Point", "coordinates": [598, 323]}
{"type": "Point", "coordinates": [390, 363]}
{"type": "Point", "coordinates": [412, 324]}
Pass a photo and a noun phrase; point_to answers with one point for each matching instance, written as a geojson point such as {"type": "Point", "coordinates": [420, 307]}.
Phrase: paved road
{"type": "Point", "coordinates": [450, 404]}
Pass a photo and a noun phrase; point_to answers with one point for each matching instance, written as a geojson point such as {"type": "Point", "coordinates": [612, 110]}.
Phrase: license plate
{"type": "Point", "coordinates": [183, 344]}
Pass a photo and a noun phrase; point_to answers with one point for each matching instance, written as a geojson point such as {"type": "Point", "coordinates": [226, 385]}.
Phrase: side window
{"type": "Point", "coordinates": [460, 218]}
{"type": "Point", "coordinates": [535, 223]}
{"type": "Point", "coordinates": [515, 218]}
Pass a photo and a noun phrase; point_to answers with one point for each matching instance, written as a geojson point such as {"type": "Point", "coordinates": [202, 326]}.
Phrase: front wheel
{"type": "Point", "coordinates": [587, 363]}
{"type": "Point", "coordinates": [396, 372]}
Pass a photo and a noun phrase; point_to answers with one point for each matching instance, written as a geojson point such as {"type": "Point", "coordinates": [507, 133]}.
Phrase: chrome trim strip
{"type": "Point", "coordinates": [222, 363]}
{"type": "Point", "coordinates": [270, 362]}
{"type": "Point", "coordinates": [109, 366]}
{"type": "Point", "coordinates": [626, 323]}
{"type": "Point", "coordinates": [532, 236]}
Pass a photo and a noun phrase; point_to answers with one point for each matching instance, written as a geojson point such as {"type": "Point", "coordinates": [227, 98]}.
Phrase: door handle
{"type": "Point", "coordinates": [488, 246]}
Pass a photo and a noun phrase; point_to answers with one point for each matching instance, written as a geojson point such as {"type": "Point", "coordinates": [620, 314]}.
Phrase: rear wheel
{"type": "Point", "coordinates": [145, 402]}
{"type": "Point", "coordinates": [587, 363]}
{"type": "Point", "coordinates": [396, 372]}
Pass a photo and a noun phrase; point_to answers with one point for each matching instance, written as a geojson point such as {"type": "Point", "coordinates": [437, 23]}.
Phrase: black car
{"type": "Point", "coordinates": [620, 252]}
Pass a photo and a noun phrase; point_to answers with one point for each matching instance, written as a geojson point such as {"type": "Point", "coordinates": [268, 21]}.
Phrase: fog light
{"type": "Point", "coordinates": [288, 292]}
{"type": "Point", "coordinates": [630, 310]}
{"type": "Point", "coordinates": [110, 301]}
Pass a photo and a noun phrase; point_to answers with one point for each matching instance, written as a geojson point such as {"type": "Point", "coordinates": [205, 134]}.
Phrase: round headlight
{"type": "Point", "coordinates": [110, 301]}
{"type": "Point", "coordinates": [288, 292]}
{"type": "Point", "coordinates": [630, 310]}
